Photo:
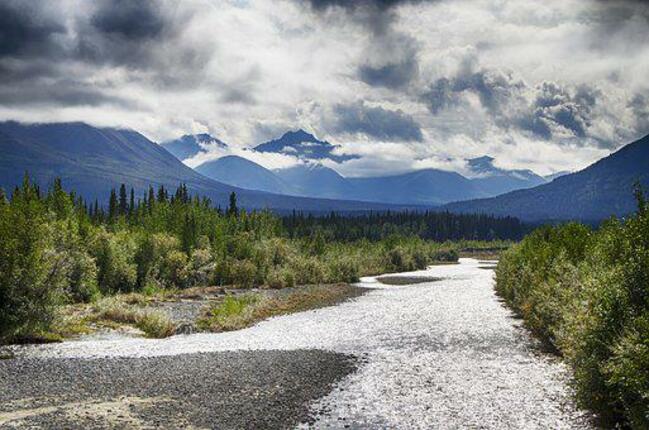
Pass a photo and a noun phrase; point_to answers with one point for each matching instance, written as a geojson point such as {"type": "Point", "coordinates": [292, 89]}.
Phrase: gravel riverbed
{"type": "Point", "coordinates": [225, 390]}
{"type": "Point", "coordinates": [444, 354]}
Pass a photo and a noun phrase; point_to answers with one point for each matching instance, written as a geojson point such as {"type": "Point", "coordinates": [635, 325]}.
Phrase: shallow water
{"type": "Point", "coordinates": [445, 354]}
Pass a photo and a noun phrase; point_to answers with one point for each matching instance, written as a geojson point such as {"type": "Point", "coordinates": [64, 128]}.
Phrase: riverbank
{"type": "Point", "coordinates": [229, 390]}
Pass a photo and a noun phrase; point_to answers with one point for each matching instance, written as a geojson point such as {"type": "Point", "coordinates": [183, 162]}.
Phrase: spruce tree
{"type": "Point", "coordinates": [112, 206]}
{"type": "Point", "coordinates": [123, 205]}
{"type": "Point", "coordinates": [232, 209]}
{"type": "Point", "coordinates": [151, 199]}
{"type": "Point", "coordinates": [131, 205]}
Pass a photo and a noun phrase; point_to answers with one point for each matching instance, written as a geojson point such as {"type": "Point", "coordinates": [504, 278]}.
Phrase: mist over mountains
{"type": "Point", "coordinates": [309, 177]}
{"type": "Point", "coordinates": [93, 160]}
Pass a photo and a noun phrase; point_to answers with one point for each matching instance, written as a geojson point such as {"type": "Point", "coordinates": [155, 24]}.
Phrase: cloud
{"type": "Point", "coordinates": [548, 110]}
{"type": "Point", "coordinates": [535, 84]}
{"type": "Point", "coordinates": [396, 66]}
{"type": "Point", "coordinates": [25, 30]}
{"type": "Point", "coordinates": [128, 20]}
{"type": "Point", "coordinates": [376, 122]}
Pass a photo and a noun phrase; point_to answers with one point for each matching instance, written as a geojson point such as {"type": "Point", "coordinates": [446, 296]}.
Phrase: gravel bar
{"type": "Point", "coordinates": [225, 390]}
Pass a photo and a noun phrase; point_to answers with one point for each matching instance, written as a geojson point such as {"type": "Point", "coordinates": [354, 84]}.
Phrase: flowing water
{"type": "Point", "coordinates": [441, 354]}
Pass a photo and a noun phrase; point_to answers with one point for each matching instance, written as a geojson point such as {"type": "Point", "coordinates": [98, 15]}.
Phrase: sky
{"type": "Point", "coordinates": [405, 84]}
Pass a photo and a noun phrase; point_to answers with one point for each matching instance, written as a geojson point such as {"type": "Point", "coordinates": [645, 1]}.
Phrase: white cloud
{"type": "Point", "coordinates": [246, 71]}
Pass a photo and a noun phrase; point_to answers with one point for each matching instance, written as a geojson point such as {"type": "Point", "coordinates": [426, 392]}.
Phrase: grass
{"type": "Point", "coordinates": [235, 313]}
{"type": "Point", "coordinates": [154, 324]}
{"type": "Point", "coordinates": [110, 312]}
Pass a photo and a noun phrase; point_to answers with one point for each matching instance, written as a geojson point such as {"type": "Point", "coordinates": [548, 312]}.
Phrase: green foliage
{"type": "Point", "coordinates": [586, 294]}
{"type": "Point", "coordinates": [57, 249]}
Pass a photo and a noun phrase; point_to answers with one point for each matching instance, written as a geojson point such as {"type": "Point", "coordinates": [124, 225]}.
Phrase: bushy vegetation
{"type": "Point", "coordinates": [234, 313]}
{"type": "Point", "coordinates": [586, 294]}
{"type": "Point", "coordinates": [57, 249]}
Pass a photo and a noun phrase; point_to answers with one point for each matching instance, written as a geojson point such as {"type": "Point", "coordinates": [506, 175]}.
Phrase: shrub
{"type": "Point", "coordinates": [280, 278]}
{"type": "Point", "coordinates": [243, 273]}
{"type": "Point", "coordinates": [343, 270]}
{"type": "Point", "coordinates": [115, 255]}
{"type": "Point", "coordinates": [587, 295]}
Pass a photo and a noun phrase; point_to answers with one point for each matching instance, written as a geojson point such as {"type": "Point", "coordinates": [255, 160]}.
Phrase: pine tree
{"type": "Point", "coordinates": [162, 194]}
{"type": "Point", "coordinates": [131, 205]}
{"type": "Point", "coordinates": [232, 209]}
{"type": "Point", "coordinates": [151, 199]}
{"type": "Point", "coordinates": [123, 205]}
{"type": "Point", "coordinates": [112, 206]}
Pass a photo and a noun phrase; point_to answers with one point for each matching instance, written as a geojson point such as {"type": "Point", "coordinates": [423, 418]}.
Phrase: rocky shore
{"type": "Point", "coordinates": [225, 390]}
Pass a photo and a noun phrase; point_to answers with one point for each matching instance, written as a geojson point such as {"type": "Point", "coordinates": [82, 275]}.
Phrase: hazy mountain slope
{"type": "Point", "coordinates": [556, 175]}
{"type": "Point", "coordinates": [190, 145]}
{"type": "Point", "coordinates": [597, 192]}
{"type": "Point", "coordinates": [315, 180]}
{"type": "Point", "coordinates": [304, 146]}
{"type": "Point", "coordinates": [243, 173]}
{"type": "Point", "coordinates": [493, 181]}
{"type": "Point", "coordinates": [93, 160]}
{"type": "Point", "coordinates": [429, 186]}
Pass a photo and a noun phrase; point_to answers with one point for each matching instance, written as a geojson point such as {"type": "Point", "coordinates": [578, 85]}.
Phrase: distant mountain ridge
{"type": "Point", "coordinates": [91, 161]}
{"type": "Point", "coordinates": [304, 146]}
{"type": "Point", "coordinates": [493, 181]}
{"type": "Point", "coordinates": [190, 145]}
{"type": "Point", "coordinates": [602, 189]}
{"type": "Point", "coordinates": [420, 187]}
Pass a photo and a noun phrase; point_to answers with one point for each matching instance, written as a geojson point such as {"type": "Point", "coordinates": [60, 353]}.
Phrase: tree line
{"type": "Point", "coordinates": [58, 249]}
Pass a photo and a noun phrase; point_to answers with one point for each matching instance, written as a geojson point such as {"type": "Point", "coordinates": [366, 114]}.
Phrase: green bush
{"type": "Point", "coordinates": [280, 278]}
{"type": "Point", "coordinates": [586, 294]}
{"type": "Point", "coordinates": [31, 272]}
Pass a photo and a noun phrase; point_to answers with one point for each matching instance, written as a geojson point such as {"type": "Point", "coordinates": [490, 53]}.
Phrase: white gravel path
{"type": "Point", "coordinates": [445, 354]}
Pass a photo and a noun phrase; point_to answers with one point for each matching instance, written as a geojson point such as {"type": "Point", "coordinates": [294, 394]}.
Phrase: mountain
{"type": "Point", "coordinates": [303, 145]}
{"type": "Point", "coordinates": [428, 186]}
{"type": "Point", "coordinates": [190, 145]}
{"type": "Point", "coordinates": [603, 189]}
{"type": "Point", "coordinates": [91, 161]}
{"type": "Point", "coordinates": [423, 187]}
{"type": "Point", "coordinates": [316, 180]}
{"type": "Point", "coordinates": [243, 173]}
{"type": "Point", "coordinates": [553, 176]}
{"type": "Point", "coordinates": [493, 181]}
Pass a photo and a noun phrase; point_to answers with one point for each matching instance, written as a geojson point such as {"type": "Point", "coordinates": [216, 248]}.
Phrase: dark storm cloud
{"type": "Point", "coordinates": [60, 93]}
{"type": "Point", "coordinates": [129, 20]}
{"type": "Point", "coordinates": [544, 110]}
{"type": "Point", "coordinates": [25, 31]}
{"type": "Point", "coordinates": [399, 67]}
{"type": "Point", "coordinates": [376, 122]}
{"type": "Point", "coordinates": [124, 33]}
{"type": "Point", "coordinates": [393, 63]}
{"type": "Point", "coordinates": [557, 106]}
{"type": "Point", "coordinates": [493, 88]}
{"type": "Point", "coordinates": [392, 75]}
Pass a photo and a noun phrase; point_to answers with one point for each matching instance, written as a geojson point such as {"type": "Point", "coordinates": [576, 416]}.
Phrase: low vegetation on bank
{"type": "Point", "coordinates": [235, 313]}
{"type": "Point", "coordinates": [57, 250]}
{"type": "Point", "coordinates": [585, 293]}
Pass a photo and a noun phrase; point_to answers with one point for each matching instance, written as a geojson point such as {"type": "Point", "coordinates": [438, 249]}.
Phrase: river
{"type": "Point", "coordinates": [444, 354]}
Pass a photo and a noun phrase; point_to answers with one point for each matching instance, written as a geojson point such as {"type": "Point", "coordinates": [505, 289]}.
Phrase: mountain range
{"type": "Point", "coordinates": [91, 161]}
{"type": "Point", "coordinates": [602, 189]}
{"type": "Point", "coordinates": [311, 178]}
